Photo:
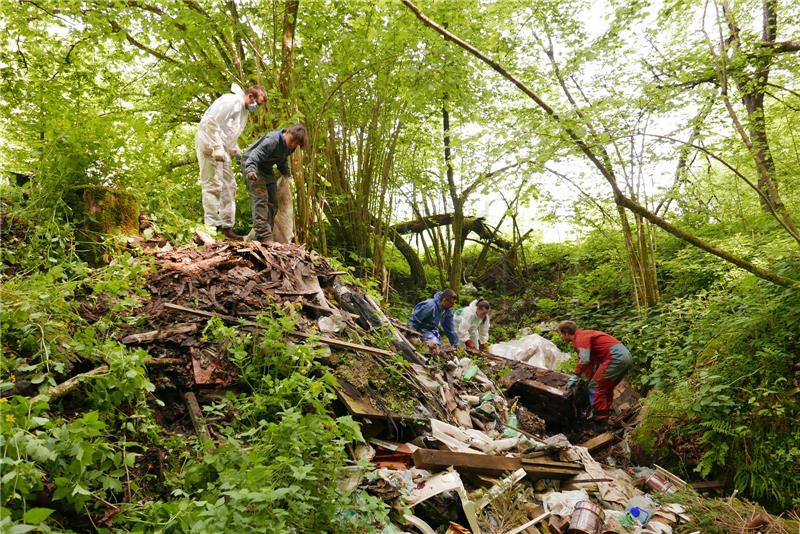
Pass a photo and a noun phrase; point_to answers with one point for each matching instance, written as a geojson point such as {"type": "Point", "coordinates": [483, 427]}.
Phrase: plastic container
{"type": "Point", "coordinates": [640, 515]}
{"type": "Point", "coordinates": [586, 519]}
{"type": "Point", "coordinates": [640, 509]}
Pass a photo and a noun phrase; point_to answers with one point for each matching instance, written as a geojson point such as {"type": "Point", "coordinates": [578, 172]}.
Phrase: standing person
{"type": "Point", "coordinates": [430, 314]}
{"type": "Point", "coordinates": [272, 149]}
{"type": "Point", "coordinates": [472, 324]}
{"type": "Point", "coordinates": [216, 142]}
{"type": "Point", "coordinates": [603, 359]}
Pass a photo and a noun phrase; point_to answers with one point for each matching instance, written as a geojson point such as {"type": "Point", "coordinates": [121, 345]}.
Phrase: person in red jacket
{"type": "Point", "coordinates": [602, 359]}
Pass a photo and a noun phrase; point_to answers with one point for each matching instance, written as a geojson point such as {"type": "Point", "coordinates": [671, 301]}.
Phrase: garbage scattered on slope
{"type": "Point", "coordinates": [472, 442]}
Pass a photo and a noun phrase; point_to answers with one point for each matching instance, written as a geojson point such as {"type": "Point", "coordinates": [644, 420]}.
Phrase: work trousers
{"type": "Point", "coordinates": [263, 211]}
{"type": "Point", "coordinates": [605, 378]}
{"type": "Point", "coordinates": [219, 190]}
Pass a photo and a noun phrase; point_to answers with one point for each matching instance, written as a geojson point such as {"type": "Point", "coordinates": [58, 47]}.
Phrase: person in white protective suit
{"type": "Point", "coordinates": [216, 143]}
{"type": "Point", "coordinates": [472, 324]}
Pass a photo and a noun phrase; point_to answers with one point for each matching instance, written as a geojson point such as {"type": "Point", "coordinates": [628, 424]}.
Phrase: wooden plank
{"type": "Point", "coordinates": [529, 524]}
{"type": "Point", "coordinates": [405, 328]}
{"type": "Point", "coordinates": [198, 421]}
{"type": "Point", "coordinates": [355, 402]}
{"type": "Point", "coordinates": [297, 293]}
{"type": "Point", "coordinates": [487, 464]}
{"type": "Point", "coordinates": [550, 390]}
{"type": "Point", "coordinates": [539, 472]}
{"type": "Point", "coordinates": [544, 462]}
{"type": "Point", "coordinates": [328, 311]}
{"type": "Point", "coordinates": [327, 340]}
{"type": "Point", "coordinates": [357, 406]}
{"type": "Point", "coordinates": [674, 478]}
{"type": "Point", "coordinates": [472, 463]}
{"type": "Point", "coordinates": [600, 441]}
{"type": "Point", "coordinates": [163, 333]}
{"type": "Point", "coordinates": [65, 387]}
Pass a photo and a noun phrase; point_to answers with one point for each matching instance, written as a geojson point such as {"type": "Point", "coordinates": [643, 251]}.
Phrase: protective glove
{"type": "Point", "coordinates": [470, 344]}
{"type": "Point", "coordinates": [252, 176]}
{"type": "Point", "coordinates": [218, 154]}
{"type": "Point", "coordinates": [235, 152]}
{"type": "Point", "coordinates": [572, 382]}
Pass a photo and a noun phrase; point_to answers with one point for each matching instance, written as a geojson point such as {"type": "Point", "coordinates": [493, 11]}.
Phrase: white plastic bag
{"type": "Point", "coordinates": [532, 349]}
{"type": "Point", "coordinates": [563, 502]}
{"type": "Point", "coordinates": [331, 324]}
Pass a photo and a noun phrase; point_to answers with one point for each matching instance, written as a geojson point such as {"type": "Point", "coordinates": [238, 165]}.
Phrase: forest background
{"type": "Point", "coordinates": [445, 138]}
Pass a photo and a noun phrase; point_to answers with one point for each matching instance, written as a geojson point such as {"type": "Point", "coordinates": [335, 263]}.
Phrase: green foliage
{"type": "Point", "coordinates": [282, 453]}
{"type": "Point", "coordinates": [721, 364]}
{"type": "Point", "coordinates": [278, 459]}
{"type": "Point", "coordinates": [110, 96]}
{"type": "Point", "coordinates": [280, 473]}
{"type": "Point", "coordinates": [80, 465]}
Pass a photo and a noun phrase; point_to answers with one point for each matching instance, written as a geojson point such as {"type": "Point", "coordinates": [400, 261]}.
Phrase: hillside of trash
{"type": "Point", "coordinates": [457, 441]}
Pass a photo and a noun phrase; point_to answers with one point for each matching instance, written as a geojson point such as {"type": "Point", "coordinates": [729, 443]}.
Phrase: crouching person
{"type": "Point", "coordinates": [271, 150]}
{"type": "Point", "coordinates": [472, 324]}
{"type": "Point", "coordinates": [433, 313]}
{"type": "Point", "coordinates": [603, 359]}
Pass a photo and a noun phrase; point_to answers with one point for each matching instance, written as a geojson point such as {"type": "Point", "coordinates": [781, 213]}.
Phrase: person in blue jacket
{"type": "Point", "coordinates": [430, 314]}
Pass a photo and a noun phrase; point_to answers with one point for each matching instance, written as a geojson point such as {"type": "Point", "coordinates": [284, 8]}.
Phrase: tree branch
{"type": "Point", "coordinates": [607, 173]}
{"type": "Point", "coordinates": [786, 46]}
{"type": "Point", "coordinates": [152, 51]}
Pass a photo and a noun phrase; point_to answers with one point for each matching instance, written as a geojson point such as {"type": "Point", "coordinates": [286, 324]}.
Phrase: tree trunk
{"type": "Point", "coordinates": [475, 225]}
{"type": "Point", "coordinates": [456, 264]}
{"type": "Point", "coordinates": [288, 109]}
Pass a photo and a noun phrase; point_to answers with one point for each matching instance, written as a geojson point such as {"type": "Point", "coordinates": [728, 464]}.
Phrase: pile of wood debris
{"type": "Point", "coordinates": [454, 452]}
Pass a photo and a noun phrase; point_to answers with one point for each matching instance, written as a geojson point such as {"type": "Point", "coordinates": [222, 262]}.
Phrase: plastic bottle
{"type": "Point", "coordinates": [511, 427]}
{"type": "Point", "coordinates": [640, 509]}
{"type": "Point", "coordinates": [471, 372]}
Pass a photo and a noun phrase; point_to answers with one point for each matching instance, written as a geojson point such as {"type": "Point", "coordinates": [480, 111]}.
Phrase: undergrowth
{"type": "Point", "coordinates": [82, 461]}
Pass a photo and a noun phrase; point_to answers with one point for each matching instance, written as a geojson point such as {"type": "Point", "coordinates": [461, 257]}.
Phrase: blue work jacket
{"type": "Point", "coordinates": [428, 316]}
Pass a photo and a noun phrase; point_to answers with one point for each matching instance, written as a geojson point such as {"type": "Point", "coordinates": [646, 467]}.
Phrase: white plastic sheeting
{"type": "Point", "coordinates": [532, 349]}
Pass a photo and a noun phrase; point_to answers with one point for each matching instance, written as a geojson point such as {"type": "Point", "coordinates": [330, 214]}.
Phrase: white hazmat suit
{"type": "Point", "coordinates": [216, 142]}
{"type": "Point", "coordinates": [471, 327]}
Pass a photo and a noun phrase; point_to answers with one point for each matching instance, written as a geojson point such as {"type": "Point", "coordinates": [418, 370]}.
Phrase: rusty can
{"type": "Point", "coordinates": [586, 519]}
{"type": "Point", "coordinates": [659, 484]}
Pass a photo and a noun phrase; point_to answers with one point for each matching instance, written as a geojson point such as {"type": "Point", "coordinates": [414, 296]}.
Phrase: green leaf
{"type": "Point", "coordinates": [80, 490]}
{"type": "Point", "coordinates": [37, 515]}
{"type": "Point", "coordinates": [20, 529]}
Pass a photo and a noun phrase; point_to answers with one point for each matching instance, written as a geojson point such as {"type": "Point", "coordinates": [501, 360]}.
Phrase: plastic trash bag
{"type": "Point", "coordinates": [532, 349]}
{"type": "Point", "coordinates": [563, 502]}
{"type": "Point", "coordinates": [331, 324]}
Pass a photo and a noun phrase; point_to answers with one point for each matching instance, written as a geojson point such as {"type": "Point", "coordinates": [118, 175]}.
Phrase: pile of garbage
{"type": "Point", "coordinates": [475, 442]}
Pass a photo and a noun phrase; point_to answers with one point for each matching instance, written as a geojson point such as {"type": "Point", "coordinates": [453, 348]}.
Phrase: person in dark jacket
{"type": "Point", "coordinates": [430, 314]}
{"type": "Point", "coordinates": [271, 150]}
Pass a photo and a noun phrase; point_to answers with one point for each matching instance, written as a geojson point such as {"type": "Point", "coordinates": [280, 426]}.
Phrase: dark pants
{"type": "Point", "coordinates": [263, 198]}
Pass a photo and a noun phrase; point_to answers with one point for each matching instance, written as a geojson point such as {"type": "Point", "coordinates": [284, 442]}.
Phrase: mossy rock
{"type": "Point", "coordinates": [100, 211]}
